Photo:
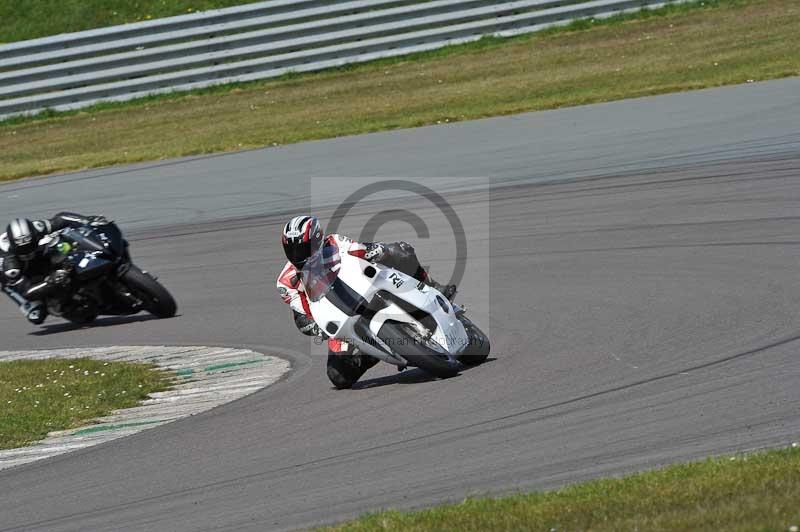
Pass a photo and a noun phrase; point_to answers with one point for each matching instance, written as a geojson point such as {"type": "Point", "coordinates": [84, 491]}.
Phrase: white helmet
{"type": "Point", "coordinates": [23, 238]}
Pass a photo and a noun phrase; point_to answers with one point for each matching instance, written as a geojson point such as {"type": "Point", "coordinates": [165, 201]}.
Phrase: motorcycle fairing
{"type": "Point", "coordinates": [358, 305]}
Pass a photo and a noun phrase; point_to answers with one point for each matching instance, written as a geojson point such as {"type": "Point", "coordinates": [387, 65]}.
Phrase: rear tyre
{"type": "Point", "coordinates": [81, 318]}
{"type": "Point", "coordinates": [157, 300]}
{"type": "Point", "coordinates": [404, 340]}
{"type": "Point", "coordinates": [82, 313]}
{"type": "Point", "coordinates": [478, 349]}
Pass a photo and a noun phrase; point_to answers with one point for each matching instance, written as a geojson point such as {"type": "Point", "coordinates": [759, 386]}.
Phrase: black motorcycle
{"type": "Point", "coordinates": [101, 279]}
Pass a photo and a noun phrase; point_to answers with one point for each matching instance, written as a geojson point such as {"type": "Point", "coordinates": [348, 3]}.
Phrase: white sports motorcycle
{"type": "Point", "coordinates": [390, 315]}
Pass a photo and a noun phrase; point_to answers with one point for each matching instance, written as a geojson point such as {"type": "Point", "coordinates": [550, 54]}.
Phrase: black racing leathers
{"type": "Point", "coordinates": [29, 282]}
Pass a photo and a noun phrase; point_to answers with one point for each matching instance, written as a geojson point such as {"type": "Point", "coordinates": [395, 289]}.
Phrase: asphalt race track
{"type": "Point", "coordinates": [643, 300]}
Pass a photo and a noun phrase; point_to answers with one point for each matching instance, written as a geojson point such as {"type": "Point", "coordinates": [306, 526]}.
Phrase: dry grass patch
{"type": "Point", "coordinates": [733, 42]}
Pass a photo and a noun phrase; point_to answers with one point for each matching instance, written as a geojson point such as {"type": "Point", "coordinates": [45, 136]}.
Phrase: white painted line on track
{"type": "Point", "coordinates": [206, 377]}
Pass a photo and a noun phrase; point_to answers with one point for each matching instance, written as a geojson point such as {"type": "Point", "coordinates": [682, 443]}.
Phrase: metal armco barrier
{"type": "Point", "coordinates": [258, 41]}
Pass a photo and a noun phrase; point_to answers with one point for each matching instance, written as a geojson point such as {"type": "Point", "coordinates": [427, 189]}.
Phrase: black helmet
{"type": "Point", "coordinates": [23, 238]}
{"type": "Point", "coordinates": [302, 238]}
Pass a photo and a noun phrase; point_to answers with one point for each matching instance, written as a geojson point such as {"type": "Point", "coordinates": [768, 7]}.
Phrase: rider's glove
{"type": "Point", "coordinates": [374, 252]}
{"type": "Point", "coordinates": [59, 278]}
{"type": "Point", "coordinates": [312, 329]}
{"type": "Point", "coordinates": [64, 248]}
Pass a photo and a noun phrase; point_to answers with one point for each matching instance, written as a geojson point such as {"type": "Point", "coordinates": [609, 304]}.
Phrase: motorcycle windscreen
{"type": "Point", "coordinates": [320, 271]}
{"type": "Point", "coordinates": [110, 235]}
{"type": "Point", "coordinates": [84, 242]}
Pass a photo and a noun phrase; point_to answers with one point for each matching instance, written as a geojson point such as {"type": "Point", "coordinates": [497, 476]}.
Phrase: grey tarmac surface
{"type": "Point", "coordinates": [644, 266]}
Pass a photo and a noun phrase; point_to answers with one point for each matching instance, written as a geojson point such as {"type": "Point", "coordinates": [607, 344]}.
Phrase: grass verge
{"type": "Point", "coordinates": [40, 396]}
{"type": "Point", "coordinates": [29, 19]}
{"type": "Point", "coordinates": [681, 48]}
{"type": "Point", "coordinates": [743, 493]}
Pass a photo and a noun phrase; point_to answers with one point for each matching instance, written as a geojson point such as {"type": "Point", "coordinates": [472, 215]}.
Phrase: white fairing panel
{"type": "Point", "coordinates": [449, 332]}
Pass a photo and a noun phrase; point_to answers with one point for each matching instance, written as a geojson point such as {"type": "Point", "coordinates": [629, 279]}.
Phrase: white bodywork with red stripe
{"type": "Point", "coordinates": [449, 337]}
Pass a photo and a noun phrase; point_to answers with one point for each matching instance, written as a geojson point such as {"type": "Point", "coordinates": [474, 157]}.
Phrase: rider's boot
{"type": "Point", "coordinates": [401, 256]}
{"type": "Point", "coordinates": [346, 367]}
{"type": "Point", "coordinates": [36, 312]}
{"type": "Point", "coordinates": [34, 308]}
{"type": "Point", "coordinates": [448, 290]}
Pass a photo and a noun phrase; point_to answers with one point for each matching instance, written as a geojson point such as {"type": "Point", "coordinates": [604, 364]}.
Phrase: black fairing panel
{"type": "Point", "coordinates": [90, 268]}
{"type": "Point", "coordinates": [85, 242]}
{"type": "Point", "coordinates": [346, 299]}
{"type": "Point", "coordinates": [114, 238]}
{"type": "Point", "coordinates": [106, 238]}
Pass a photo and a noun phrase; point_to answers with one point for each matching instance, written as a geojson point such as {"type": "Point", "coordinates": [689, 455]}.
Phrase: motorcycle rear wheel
{"type": "Point", "coordinates": [402, 340]}
{"type": "Point", "coordinates": [84, 318]}
{"type": "Point", "coordinates": [157, 300]}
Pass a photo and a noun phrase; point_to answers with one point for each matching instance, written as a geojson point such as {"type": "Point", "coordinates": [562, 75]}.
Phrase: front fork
{"type": "Point", "coordinates": [122, 290]}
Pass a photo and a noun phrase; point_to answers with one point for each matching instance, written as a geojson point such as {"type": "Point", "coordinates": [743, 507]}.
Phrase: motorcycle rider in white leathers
{"type": "Point", "coordinates": [302, 239]}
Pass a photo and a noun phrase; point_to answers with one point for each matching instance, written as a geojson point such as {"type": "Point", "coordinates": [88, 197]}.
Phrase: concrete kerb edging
{"type": "Point", "coordinates": [206, 377]}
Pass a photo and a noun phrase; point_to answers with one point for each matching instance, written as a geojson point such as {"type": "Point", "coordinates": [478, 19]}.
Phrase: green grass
{"type": "Point", "coordinates": [681, 48]}
{"type": "Point", "coordinates": [29, 19]}
{"type": "Point", "coordinates": [40, 396]}
{"type": "Point", "coordinates": [755, 492]}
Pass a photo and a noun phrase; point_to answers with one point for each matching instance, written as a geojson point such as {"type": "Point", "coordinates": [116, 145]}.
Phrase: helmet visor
{"type": "Point", "coordinates": [298, 253]}
{"type": "Point", "coordinates": [25, 251]}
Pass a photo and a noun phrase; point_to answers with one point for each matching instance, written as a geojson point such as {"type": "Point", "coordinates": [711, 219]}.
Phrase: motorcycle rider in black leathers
{"type": "Point", "coordinates": [302, 238]}
{"type": "Point", "coordinates": [29, 270]}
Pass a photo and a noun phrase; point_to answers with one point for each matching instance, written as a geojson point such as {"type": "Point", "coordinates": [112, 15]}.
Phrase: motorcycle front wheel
{"type": "Point", "coordinates": [157, 300]}
{"type": "Point", "coordinates": [479, 347]}
{"type": "Point", "coordinates": [404, 340]}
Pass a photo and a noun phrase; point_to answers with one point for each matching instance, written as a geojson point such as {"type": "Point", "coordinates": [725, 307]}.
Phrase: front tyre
{"type": "Point", "coordinates": [404, 340]}
{"type": "Point", "coordinates": [478, 349]}
{"type": "Point", "coordinates": [157, 301]}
